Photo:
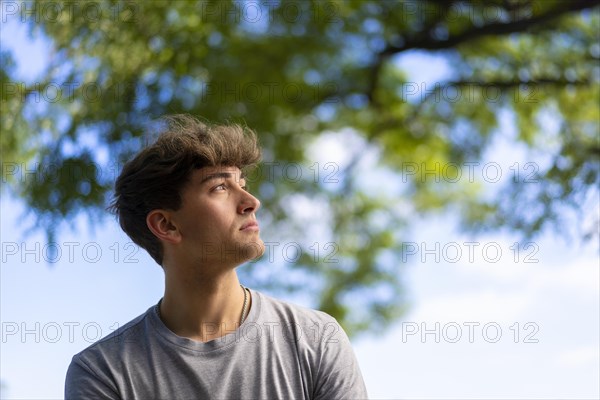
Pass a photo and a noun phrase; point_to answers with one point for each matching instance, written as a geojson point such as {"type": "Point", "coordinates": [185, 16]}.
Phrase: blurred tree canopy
{"type": "Point", "coordinates": [293, 71]}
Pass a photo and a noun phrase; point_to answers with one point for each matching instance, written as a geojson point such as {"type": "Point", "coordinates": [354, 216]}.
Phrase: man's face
{"type": "Point", "coordinates": [217, 219]}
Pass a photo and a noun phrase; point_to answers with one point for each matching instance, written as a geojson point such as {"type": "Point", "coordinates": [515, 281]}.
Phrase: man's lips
{"type": "Point", "coordinates": [250, 226]}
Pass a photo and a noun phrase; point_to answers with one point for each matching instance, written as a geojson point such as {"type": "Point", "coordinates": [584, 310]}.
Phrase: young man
{"type": "Point", "coordinates": [184, 200]}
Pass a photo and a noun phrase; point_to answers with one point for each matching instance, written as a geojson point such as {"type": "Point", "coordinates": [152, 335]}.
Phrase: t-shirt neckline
{"type": "Point", "coordinates": [230, 339]}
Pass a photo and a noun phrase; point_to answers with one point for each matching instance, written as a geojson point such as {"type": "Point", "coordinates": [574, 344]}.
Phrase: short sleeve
{"type": "Point", "coordinates": [82, 383]}
{"type": "Point", "coordinates": [338, 373]}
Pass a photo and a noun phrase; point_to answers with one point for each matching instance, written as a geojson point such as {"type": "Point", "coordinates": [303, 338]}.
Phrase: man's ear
{"type": "Point", "coordinates": [159, 223]}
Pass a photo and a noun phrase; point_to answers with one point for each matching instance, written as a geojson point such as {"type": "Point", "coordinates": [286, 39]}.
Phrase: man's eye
{"type": "Point", "coordinates": [245, 188]}
{"type": "Point", "coordinates": [220, 187]}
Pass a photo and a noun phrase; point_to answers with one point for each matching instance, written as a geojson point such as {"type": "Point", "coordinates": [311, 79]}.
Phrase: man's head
{"type": "Point", "coordinates": [158, 176]}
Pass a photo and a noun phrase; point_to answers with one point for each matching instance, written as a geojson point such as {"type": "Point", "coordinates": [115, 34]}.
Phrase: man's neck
{"type": "Point", "coordinates": [202, 308]}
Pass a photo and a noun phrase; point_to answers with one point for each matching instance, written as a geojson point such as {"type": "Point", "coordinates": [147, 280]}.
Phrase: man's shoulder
{"type": "Point", "coordinates": [320, 346]}
{"type": "Point", "coordinates": [308, 327]}
{"type": "Point", "coordinates": [122, 339]}
{"type": "Point", "coordinates": [273, 307]}
{"type": "Point", "coordinates": [92, 371]}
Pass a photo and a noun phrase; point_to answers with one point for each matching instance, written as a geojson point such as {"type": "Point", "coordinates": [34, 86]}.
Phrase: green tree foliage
{"type": "Point", "coordinates": [294, 70]}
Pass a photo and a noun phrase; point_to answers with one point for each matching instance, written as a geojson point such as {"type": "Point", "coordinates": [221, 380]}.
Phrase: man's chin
{"type": "Point", "coordinates": [257, 249]}
{"type": "Point", "coordinates": [250, 251]}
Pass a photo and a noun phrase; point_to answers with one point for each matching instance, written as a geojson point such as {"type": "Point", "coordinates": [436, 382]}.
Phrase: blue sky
{"type": "Point", "coordinates": [527, 329]}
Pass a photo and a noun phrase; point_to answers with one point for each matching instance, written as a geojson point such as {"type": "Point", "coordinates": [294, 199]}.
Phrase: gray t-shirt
{"type": "Point", "coordinates": [281, 351]}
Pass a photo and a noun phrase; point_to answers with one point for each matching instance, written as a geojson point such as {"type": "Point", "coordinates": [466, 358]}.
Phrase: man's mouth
{"type": "Point", "coordinates": [250, 226]}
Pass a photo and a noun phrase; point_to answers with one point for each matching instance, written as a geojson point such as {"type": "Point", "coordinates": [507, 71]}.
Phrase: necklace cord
{"type": "Point", "coordinates": [245, 306]}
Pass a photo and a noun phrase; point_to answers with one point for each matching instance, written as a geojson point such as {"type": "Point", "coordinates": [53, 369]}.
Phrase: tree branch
{"type": "Point", "coordinates": [425, 41]}
{"type": "Point", "coordinates": [502, 85]}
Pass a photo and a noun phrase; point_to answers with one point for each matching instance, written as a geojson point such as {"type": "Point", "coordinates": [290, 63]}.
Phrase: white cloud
{"type": "Point", "coordinates": [579, 356]}
{"type": "Point", "coordinates": [482, 306]}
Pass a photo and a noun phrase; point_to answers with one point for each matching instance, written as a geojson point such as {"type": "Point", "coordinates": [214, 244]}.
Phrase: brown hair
{"type": "Point", "coordinates": [154, 178]}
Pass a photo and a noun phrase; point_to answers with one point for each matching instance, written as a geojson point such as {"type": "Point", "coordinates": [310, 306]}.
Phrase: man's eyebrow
{"type": "Point", "coordinates": [217, 175]}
